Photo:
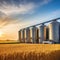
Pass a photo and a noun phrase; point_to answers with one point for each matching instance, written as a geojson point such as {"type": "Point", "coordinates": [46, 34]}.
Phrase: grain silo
{"type": "Point", "coordinates": [42, 33]}
{"type": "Point", "coordinates": [23, 35]}
{"type": "Point", "coordinates": [47, 33]}
{"type": "Point", "coordinates": [54, 31]}
{"type": "Point", "coordinates": [27, 35]}
{"type": "Point", "coordinates": [34, 34]}
{"type": "Point", "coordinates": [59, 32]}
{"type": "Point", "coordinates": [20, 36]}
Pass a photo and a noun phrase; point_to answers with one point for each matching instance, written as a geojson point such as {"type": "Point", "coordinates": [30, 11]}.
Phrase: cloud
{"type": "Point", "coordinates": [13, 8]}
{"type": "Point", "coordinates": [2, 14]}
{"type": "Point", "coordinates": [45, 2]}
{"type": "Point", "coordinates": [4, 19]}
{"type": "Point", "coordinates": [12, 11]}
{"type": "Point", "coordinates": [53, 14]}
{"type": "Point", "coordinates": [49, 15]}
{"type": "Point", "coordinates": [18, 6]}
{"type": "Point", "coordinates": [44, 17]}
{"type": "Point", "coordinates": [56, 12]}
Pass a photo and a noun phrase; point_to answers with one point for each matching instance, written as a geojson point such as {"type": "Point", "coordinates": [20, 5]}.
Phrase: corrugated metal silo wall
{"type": "Point", "coordinates": [47, 33]}
{"type": "Point", "coordinates": [19, 36]}
{"type": "Point", "coordinates": [34, 34]}
{"type": "Point", "coordinates": [42, 33]}
{"type": "Point", "coordinates": [54, 31]}
{"type": "Point", "coordinates": [23, 35]}
{"type": "Point", "coordinates": [59, 32]}
{"type": "Point", "coordinates": [28, 35]}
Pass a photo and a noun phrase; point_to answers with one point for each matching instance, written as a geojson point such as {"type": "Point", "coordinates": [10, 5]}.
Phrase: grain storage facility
{"type": "Point", "coordinates": [42, 33]}
{"type": "Point", "coordinates": [34, 34]}
{"type": "Point", "coordinates": [54, 31]}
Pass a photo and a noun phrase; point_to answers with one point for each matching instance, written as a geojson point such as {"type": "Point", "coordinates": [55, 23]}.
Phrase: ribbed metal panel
{"type": "Point", "coordinates": [23, 35]}
{"type": "Point", "coordinates": [42, 33]}
{"type": "Point", "coordinates": [34, 34]}
{"type": "Point", "coordinates": [47, 33]}
{"type": "Point", "coordinates": [54, 31]}
{"type": "Point", "coordinates": [27, 35]}
{"type": "Point", "coordinates": [20, 36]}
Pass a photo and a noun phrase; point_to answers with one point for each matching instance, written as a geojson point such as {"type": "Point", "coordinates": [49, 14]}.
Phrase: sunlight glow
{"type": "Point", "coordinates": [1, 33]}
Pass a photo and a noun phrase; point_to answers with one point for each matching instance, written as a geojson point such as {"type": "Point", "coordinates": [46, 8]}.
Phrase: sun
{"type": "Point", "coordinates": [1, 33]}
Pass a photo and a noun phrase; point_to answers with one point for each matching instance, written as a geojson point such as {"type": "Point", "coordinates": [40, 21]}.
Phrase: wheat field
{"type": "Point", "coordinates": [29, 52]}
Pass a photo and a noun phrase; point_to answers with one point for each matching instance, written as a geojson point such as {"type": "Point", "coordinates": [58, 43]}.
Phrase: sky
{"type": "Point", "coordinates": [18, 14]}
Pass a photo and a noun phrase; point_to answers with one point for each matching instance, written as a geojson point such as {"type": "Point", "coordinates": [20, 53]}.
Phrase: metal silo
{"type": "Point", "coordinates": [20, 36]}
{"type": "Point", "coordinates": [42, 33]}
{"type": "Point", "coordinates": [59, 32]}
{"type": "Point", "coordinates": [27, 35]}
{"type": "Point", "coordinates": [23, 35]}
{"type": "Point", "coordinates": [47, 33]}
{"type": "Point", "coordinates": [54, 31]}
{"type": "Point", "coordinates": [34, 34]}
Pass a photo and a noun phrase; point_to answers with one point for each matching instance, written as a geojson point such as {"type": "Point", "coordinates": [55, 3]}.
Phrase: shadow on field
{"type": "Point", "coordinates": [55, 55]}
